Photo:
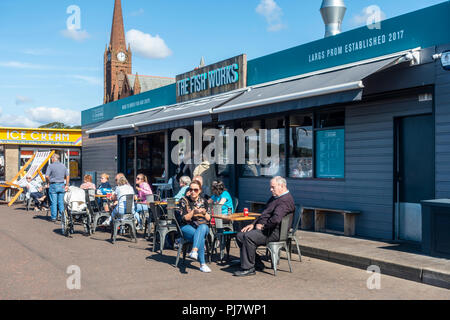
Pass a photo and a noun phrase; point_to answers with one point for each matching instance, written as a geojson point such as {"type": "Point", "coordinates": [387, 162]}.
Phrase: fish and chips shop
{"type": "Point", "coordinates": [363, 119]}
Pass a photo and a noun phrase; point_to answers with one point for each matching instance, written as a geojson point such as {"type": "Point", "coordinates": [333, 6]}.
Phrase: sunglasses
{"type": "Point", "coordinates": [196, 190]}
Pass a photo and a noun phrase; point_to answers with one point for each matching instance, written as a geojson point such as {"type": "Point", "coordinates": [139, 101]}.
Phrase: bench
{"type": "Point", "coordinates": [319, 216]}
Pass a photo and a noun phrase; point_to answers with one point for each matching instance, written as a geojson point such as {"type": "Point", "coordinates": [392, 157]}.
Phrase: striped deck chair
{"type": "Point", "coordinates": [34, 165]}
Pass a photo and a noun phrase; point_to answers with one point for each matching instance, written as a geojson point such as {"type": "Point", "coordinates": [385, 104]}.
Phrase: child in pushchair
{"type": "Point", "coordinates": [77, 210]}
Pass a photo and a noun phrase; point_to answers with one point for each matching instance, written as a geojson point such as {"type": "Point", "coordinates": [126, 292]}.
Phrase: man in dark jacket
{"type": "Point", "coordinates": [266, 228]}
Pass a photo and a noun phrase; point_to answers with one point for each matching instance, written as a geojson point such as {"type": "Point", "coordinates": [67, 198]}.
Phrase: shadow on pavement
{"type": "Point", "coordinates": [170, 260]}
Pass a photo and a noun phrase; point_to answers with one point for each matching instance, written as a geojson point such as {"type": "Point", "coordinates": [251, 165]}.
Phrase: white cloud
{"type": "Point", "coordinates": [35, 117]}
{"type": "Point", "coordinates": [45, 115]}
{"type": "Point", "coordinates": [77, 35]}
{"type": "Point", "coordinates": [37, 52]}
{"type": "Point", "coordinates": [23, 100]}
{"type": "Point", "coordinates": [368, 16]}
{"type": "Point", "coordinates": [21, 65]}
{"type": "Point", "coordinates": [95, 81]}
{"type": "Point", "coordinates": [270, 10]}
{"type": "Point", "coordinates": [147, 46]}
{"type": "Point", "coordinates": [8, 120]}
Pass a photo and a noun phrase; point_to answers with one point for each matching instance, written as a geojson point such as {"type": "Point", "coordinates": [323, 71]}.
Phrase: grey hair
{"type": "Point", "coordinates": [56, 156]}
{"type": "Point", "coordinates": [280, 181]}
{"type": "Point", "coordinates": [185, 180]}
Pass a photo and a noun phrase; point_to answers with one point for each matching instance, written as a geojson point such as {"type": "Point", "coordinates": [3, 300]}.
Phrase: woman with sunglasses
{"type": "Point", "coordinates": [143, 189]}
{"type": "Point", "coordinates": [195, 217]}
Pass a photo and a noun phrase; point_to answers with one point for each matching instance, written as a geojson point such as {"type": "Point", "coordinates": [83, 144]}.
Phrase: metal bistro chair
{"type": "Point", "coordinates": [162, 225]}
{"type": "Point", "coordinates": [186, 245]}
{"type": "Point", "coordinates": [236, 203]}
{"type": "Point", "coordinates": [148, 218]}
{"type": "Point", "coordinates": [127, 219]}
{"type": "Point", "coordinates": [223, 232]}
{"type": "Point", "coordinates": [183, 246]}
{"type": "Point", "coordinates": [99, 213]}
{"type": "Point", "coordinates": [275, 247]}
{"type": "Point", "coordinates": [291, 233]}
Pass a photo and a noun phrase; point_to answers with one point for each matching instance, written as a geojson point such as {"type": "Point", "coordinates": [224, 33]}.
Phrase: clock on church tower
{"type": "Point", "coordinates": [117, 58]}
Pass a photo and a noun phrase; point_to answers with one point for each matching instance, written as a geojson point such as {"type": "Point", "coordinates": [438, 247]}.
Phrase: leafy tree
{"type": "Point", "coordinates": [58, 125]}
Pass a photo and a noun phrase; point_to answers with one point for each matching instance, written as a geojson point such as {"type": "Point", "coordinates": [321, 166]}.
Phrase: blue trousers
{"type": "Point", "coordinates": [197, 236]}
{"type": "Point", "coordinates": [56, 193]}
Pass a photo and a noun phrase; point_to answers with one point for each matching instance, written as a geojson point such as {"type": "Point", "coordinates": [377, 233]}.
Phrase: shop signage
{"type": "Point", "coordinates": [217, 78]}
{"type": "Point", "coordinates": [423, 28]}
{"type": "Point", "coordinates": [45, 137]}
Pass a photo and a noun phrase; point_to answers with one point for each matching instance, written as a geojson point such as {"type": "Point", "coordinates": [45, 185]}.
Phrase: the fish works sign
{"type": "Point", "coordinates": [224, 76]}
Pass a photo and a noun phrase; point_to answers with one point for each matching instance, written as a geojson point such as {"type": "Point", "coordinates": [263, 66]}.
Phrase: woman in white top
{"type": "Point", "coordinates": [123, 189]}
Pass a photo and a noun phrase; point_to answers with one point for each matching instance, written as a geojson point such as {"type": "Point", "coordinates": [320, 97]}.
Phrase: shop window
{"type": "Point", "coordinates": [330, 119]}
{"type": "Point", "coordinates": [224, 162]}
{"type": "Point", "coordinates": [274, 162]}
{"type": "Point", "coordinates": [129, 158]}
{"type": "Point", "coordinates": [251, 166]}
{"type": "Point", "coordinates": [75, 164]}
{"type": "Point", "coordinates": [301, 146]}
{"type": "Point", "coordinates": [265, 150]}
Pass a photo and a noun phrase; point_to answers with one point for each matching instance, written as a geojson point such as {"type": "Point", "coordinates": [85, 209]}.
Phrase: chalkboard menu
{"type": "Point", "coordinates": [330, 148]}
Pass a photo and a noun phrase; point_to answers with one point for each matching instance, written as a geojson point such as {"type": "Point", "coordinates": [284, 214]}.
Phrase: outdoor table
{"type": "Point", "coordinates": [239, 216]}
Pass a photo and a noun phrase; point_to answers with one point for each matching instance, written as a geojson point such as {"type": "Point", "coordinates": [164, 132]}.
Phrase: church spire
{"type": "Point", "coordinates": [118, 30]}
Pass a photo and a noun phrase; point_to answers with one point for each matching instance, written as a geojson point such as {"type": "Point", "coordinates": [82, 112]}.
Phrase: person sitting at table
{"type": "Point", "coordinates": [184, 186]}
{"type": "Point", "coordinates": [123, 188]}
{"type": "Point", "coordinates": [195, 212]}
{"type": "Point", "coordinates": [87, 185]}
{"type": "Point", "coordinates": [200, 179]}
{"type": "Point", "coordinates": [265, 228]}
{"type": "Point", "coordinates": [104, 186]}
{"type": "Point", "coordinates": [143, 189]}
{"type": "Point", "coordinates": [221, 196]}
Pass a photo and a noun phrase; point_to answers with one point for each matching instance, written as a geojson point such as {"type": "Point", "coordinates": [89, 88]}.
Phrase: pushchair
{"type": "Point", "coordinates": [78, 210]}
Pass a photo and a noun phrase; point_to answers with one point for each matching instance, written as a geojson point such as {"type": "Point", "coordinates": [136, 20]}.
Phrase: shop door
{"type": "Point", "coordinates": [414, 174]}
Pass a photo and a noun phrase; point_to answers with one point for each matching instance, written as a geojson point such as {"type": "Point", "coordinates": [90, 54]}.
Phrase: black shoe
{"type": "Point", "coordinates": [259, 265]}
{"type": "Point", "coordinates": [243, 273]}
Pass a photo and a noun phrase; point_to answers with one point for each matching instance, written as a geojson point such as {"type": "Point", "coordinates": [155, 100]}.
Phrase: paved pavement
{"type": "Point", "coordinates": [401, 260]}
{"type": "Point", "coordinates": [35, 257]}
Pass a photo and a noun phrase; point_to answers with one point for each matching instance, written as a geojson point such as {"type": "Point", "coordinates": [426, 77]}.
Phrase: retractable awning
{"type": "Point", "coordinates": [321, 88]}
{"type": "Point", "coordinates": [167, 117]}
{"type": "Point", "coordinates": [344, 85]}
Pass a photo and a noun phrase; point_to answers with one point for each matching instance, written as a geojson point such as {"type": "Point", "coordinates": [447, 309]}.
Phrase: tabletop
{"type": "Point", "coordinates": [239, 216]}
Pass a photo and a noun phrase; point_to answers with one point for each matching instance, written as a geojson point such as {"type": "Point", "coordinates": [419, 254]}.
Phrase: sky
{"type": "Point", "coordinates": [51, 62]}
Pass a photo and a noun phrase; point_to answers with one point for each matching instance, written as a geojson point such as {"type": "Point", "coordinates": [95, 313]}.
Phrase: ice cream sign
{"type": "Point", "coordinates": [40, 137]}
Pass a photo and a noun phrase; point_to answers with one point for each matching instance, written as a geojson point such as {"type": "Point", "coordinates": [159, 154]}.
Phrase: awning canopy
{"type": "Point", "coordinates": [328, 88]}
{"type": "Point", "coordinates": [168, 117]}
{"type": "Point", "coordinates": [321, 88]}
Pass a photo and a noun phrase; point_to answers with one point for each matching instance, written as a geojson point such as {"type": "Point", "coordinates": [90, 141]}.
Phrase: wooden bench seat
{"type": "Point", "coordinates": [319, 216]}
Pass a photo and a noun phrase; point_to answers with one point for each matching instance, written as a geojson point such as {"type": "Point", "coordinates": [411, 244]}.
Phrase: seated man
{"type": "Point", "coordinates": [266, 228]}
{"type": "Point", "coordinates": [36, 192]}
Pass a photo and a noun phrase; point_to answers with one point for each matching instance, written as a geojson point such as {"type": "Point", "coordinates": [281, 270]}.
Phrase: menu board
{"type": "Point", "coordinates": [330, 157]}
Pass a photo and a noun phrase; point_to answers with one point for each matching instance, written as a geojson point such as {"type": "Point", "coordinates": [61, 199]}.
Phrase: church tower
{"type": "Point", "coordinates": [117, 58]}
